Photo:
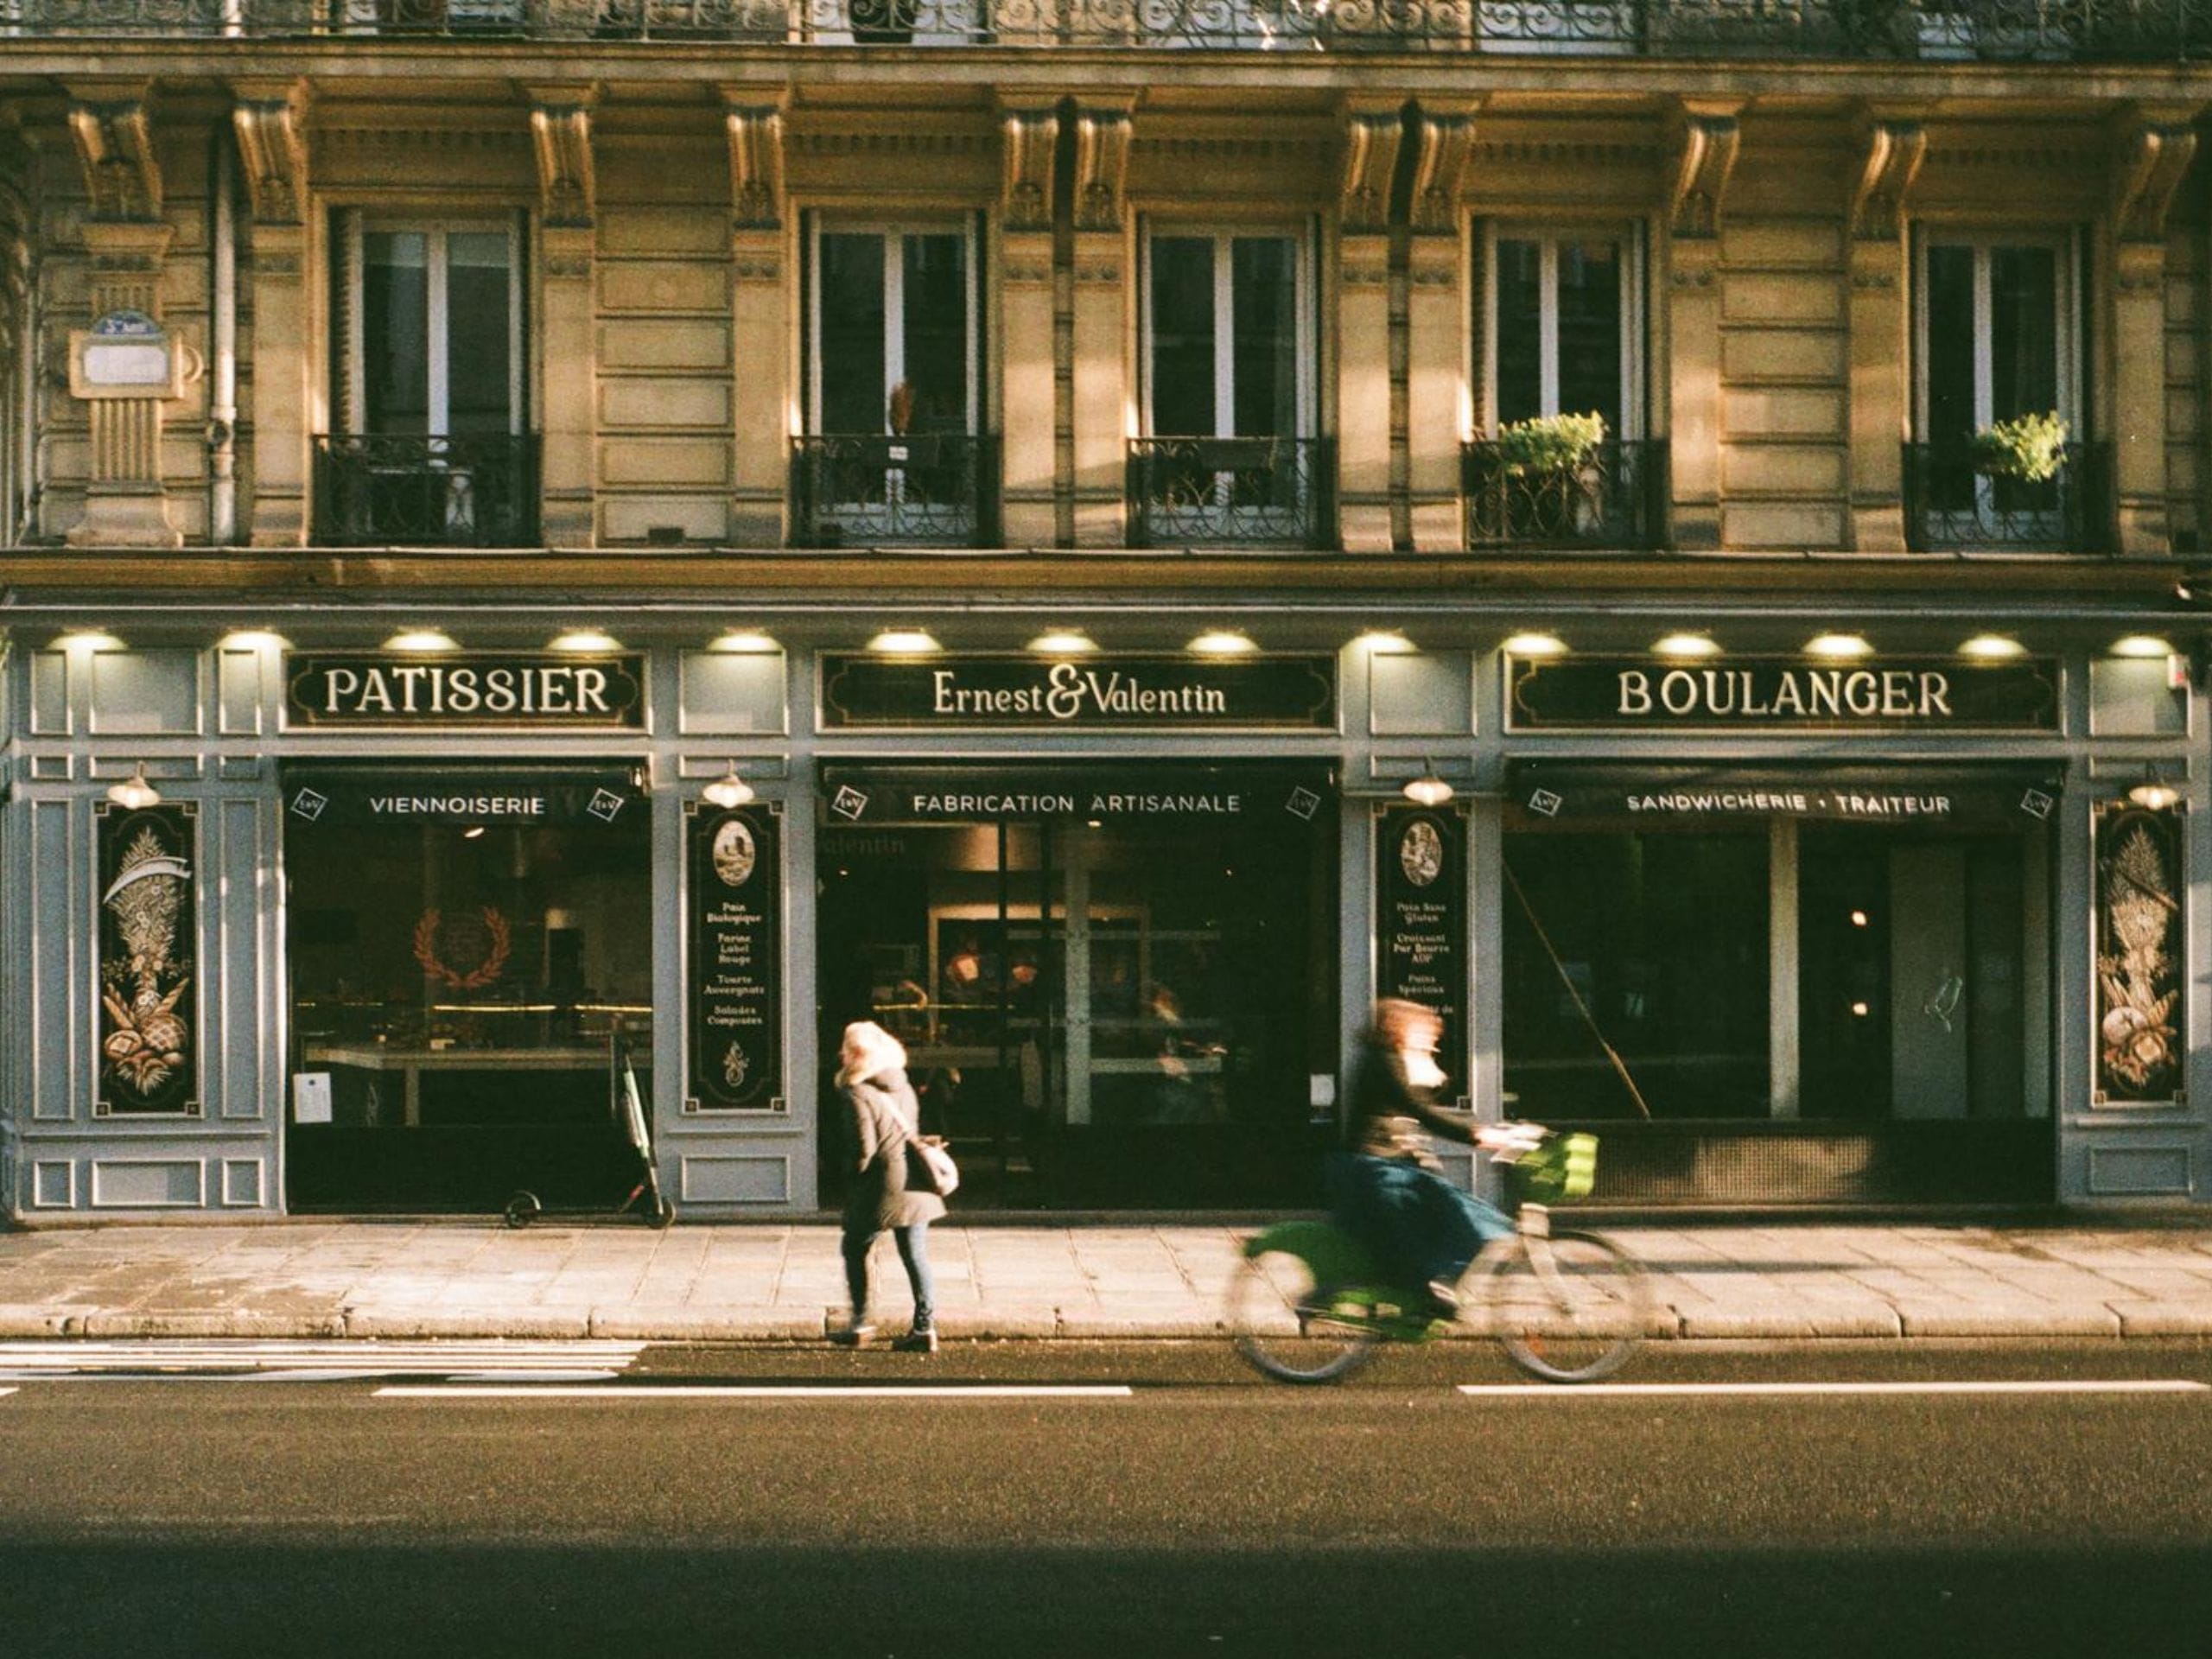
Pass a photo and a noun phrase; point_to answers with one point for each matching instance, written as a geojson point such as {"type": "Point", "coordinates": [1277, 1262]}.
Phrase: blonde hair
{"type": "Point", "coordinates": [868, 1051]}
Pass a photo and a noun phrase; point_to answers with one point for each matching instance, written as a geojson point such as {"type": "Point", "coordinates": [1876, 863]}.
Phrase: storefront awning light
{"type": "Point", "coordinates": [1991, 647]}
{"type": "Point", "coordinates": [903, 642]}
{"type": "Point", "coordinates": [1838, 645]}
{"type": "Point", "coordinates": [135, 793]}
{"type": "Point", "coordinates": [1385, 642]}
{"type": "Point", "coordinates": [728, 790]}
{"type": "Point", "coordinates": [253, 640]}
{"type": "Point", "coordinates": [1687, 644]}
{"type": "Point", "coordinates": [421, 639]}
{"type": "Point", "coordinates": [87, 639]}
{"type": "Point", "coordinates": [1535, 645]}
{"type": "Point", "coordinates": [585, 640]}
{"type": "Point", "coordinates": [2154, 793]}
{"type": "Point", "coordinates": [1223, 642]}
{"type": "Point", "coordinates": [2141, 645]}
{"type": "Point", "coordinates": [1062, 642]}
{"type": "Point", "coordinates": [748, 642]}
{"type": "Point", "coordinates": [1429, 789]}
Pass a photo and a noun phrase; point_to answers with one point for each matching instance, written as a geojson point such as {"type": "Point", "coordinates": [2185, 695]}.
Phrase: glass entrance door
{"type": "Point", "coordinates": [470, 968]}
{"type": "Point", "coordinates": [1120, 1014]}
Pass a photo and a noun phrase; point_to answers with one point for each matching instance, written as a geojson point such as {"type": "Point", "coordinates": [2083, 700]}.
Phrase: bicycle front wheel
{"type": "Point", "coordinates": [1285, 1327]}
{"type": "Point", "coordinates": [1571, 1307]}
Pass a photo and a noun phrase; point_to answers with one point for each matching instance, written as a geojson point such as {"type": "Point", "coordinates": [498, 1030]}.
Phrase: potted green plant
{"type": "Point", "coordinates": [2030, 447]}
{"type": "Point", "coordinates": [1536, 465]}
{"type": "Point", "coordinates": [1548, 443]}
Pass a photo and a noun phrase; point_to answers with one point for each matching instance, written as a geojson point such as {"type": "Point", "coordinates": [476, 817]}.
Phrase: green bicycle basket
{"type": "Point", "coordinates": [1562, 1169]}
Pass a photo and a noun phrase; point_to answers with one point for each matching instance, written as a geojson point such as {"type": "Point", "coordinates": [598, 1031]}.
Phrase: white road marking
{"type": "Point", "coordinates": [635, 1394]}
{"type": "Point", "coordinates": [5, 1392]}
{"type": "Point", "coordinates": [335, 1360]}
{"type": "Point", "coordinates": [1618, 1390]}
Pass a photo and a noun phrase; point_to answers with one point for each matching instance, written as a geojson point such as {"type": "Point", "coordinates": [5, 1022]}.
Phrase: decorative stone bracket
{"type": "Point", "coordinates": [1442, 140]}
{"type": "Point", "coordinates": [1706, 149]}
{"type": "Point", "coordinates": [1372, 137]}
{"type": "Point", "coordinates": [1030, 139]}
{"type": "Point", "coordinates": [2150, 154]}
{"type": "Point", "coordinates": [1890, 164]}
{"type": "Point", "coordinates": [114, 146]}
{"type": "Point", "coordinates": [755, 120]}
{"type": "Point", "coordinates": [560, 132]}
{"type": "Point", "coordinates": [270, 122]}
{"type": "Point", "coordinates": [1102, 167]}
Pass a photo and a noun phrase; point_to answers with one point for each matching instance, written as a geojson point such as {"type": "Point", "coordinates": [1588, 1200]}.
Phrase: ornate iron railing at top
{"type": "Point", "coordinates": [380, 491]}
{"type": "Point", "coordinates": [1951, 504]}
{"type": "Point", "coordinates": [937, 489]}
{"type": "Point", "coordinates": [1232, 492]}
{"type": "Point", "coordinates": [1614, 498]}
{"type": "Point", "coordinates": [1935, 31]}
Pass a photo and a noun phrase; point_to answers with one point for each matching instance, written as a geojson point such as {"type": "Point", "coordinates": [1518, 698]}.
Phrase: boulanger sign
{"type": "Point", "coordinates": [420, 694]}
{"type": "Point", "coordinates": [1781, 694]}
{"type": "Point", "coordinates": [1147, 693]}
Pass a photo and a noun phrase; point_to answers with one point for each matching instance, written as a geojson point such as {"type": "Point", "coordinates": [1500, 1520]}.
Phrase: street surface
{"type": "Point", "coordinates": [615, 1498]}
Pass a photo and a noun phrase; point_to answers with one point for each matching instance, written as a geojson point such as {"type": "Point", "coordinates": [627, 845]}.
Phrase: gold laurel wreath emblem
{"type": "Point", "coordinates": [426, 951]}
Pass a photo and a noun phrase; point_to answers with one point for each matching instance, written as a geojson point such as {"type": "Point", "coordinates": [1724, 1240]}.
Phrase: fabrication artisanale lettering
{"type": "Point", "coordinates": [460, 688]}
{"type": "Point", "coordinates": [1839, 693]}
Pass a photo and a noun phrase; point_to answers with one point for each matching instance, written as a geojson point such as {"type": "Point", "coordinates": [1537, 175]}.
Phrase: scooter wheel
{"type": "Point", "coordinates": [663, 1211]}
{"type": "Point", "coordinates": [522, 1209]}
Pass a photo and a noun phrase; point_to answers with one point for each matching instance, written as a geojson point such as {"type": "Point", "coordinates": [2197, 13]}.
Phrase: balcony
{"type": "Point", "coordinates": [423, 491]}
{"type": "Point", "coordinates": [937, 489]}
{"type": "Point", "coordinates": [1273, 493]}
{"type": "Point", "coordinates": [1615, 498]}
{"type": "Point", "coordinates": [1934, 30]}
{"type": "Point", "coordinates": [1952, 507]}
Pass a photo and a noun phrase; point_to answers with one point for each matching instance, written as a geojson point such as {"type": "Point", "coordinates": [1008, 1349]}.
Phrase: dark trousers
{"type": "Point", "coordinates": [1421, 1228]}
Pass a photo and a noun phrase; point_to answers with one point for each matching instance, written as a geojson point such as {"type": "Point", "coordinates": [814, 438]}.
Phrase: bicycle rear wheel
{"type": "Point", "coordinates": [1287, 1329]}
{"type": "Point", "coordinates": [1569, 1308]}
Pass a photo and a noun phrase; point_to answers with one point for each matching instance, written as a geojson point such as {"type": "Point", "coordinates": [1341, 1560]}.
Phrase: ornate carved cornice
{"type": "Point", "coordinates": [115, 147]}
{"type": "Point", "coordinates": [560, 135]}
{"type": "Point", "coordinates": [1442, 142]}
{"type": "Point", "coordinates": [1705, 144]}
{"type": "Point", "coordinates": [1371, 140]}
{"type": "Point", "coordinates": [1102, 167]}
{"type": "Point", "coordinates": [1890, 161]}
{"type": "Point", "coordinates": [2151, 153]}
{"type": "Point", "coordinates": [755, 121]}
{"type": "Point", "coordinates": [270, 123]}
{"type": "Point", "coordinates": [1030, 138]}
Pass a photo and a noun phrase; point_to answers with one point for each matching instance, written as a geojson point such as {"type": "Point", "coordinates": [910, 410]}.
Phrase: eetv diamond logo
{"type": "Point", "coordinates": [849, 803]}
{"type": "Point", "coordinates": [2037, 804]}
{"type": "Point", "coordinates": [605, 803]}
{"type": "Point", "coordinates": [1303, 803]}
{"type": "Point", "coordinates": [1543, 801]}
{"type": "Point", "coordinates": [308, 804]}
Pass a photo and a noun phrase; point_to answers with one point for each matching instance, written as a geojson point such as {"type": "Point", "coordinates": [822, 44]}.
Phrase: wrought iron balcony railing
{"type": "Point", "coordinates": [1615, 497]}
{"type": "Point", "coordinates": [1952, 506]}
{"type": "Point", "coordinates": [935, 489]}
{"type": "Point", "coordinates": [419, 492]}
{"type": "Point", "coordinates": [1935, 31]}
{"type": "Point", "coordinates": [1232, 492]}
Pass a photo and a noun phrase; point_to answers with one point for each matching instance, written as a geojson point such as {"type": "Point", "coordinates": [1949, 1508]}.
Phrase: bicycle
{"type": "Point", "coordinates": [1308, 1304]}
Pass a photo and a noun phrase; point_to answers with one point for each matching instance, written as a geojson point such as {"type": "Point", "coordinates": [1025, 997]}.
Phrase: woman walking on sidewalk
{"type": "Point", "coordinates": [884, 1116]}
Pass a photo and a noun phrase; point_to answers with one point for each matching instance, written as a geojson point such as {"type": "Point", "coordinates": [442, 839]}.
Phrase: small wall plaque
{"type": "Point", "coordinates": [125, 354]}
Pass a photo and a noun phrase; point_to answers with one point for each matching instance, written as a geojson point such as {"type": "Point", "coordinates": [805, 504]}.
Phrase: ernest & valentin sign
{"type": "Point", "coordinates": [367, 687]}
{"type": "Point", "coordinates": [1126, 692]}
{"type": "Point", "coordinates": [1932, 694]}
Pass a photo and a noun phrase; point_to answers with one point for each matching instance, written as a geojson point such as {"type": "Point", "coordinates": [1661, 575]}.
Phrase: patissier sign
{"type": "Point", "coordinates": [374, 689]}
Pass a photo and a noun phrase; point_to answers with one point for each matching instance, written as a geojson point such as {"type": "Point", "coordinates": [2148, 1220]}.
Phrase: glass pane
{"type": "Point", "coordinates": [478, 365]}
{"type": "Point", "coordinates": [1589, 331]}
{"type": "Point", "coordinates": [935, 331]}
{"type": "Point", "coordinates": [1662, 940]}
{"type": "Point", "coordinates": [1520, 325]}
{"type": "Point", "coordinates": [1182, 336]}
{"type": "Point", "coordinates": [854, 397]}
{"type": "Point", "coordinates": [1264, 305]}
{"type": "Point", "coordinates": [2023, 332]}
{"type": "Point", "coordinates": [396, 331]}
{"type": "Point", "coordinates": [1951, 416]}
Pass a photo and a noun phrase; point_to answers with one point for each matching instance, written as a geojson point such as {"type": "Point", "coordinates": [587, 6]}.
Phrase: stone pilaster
{"type": "Point", "coordinates": [1373, 134]}
{"type": "Point", "coordinates": [269, 121]}
{"type": "Point", "coordinates": [1880, 362]}
{"type": "Point", "coordinates": [1029, 382]}
{"type": "Point", "coordinates": [1706, 143]}
{"type": "Point", "coordinates": [561, 133]}
{"type": "Point", "coordinates": [1100, 390]}
{"type": "Point", "coordinates": [1440, 310]}
{"type": "Point", "coordinates": [2152, 150]}
{"type": "Point", "coordinates": [761, 305]}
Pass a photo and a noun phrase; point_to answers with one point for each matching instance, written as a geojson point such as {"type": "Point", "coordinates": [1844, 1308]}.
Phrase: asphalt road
{"type": "Point", "coordinates": [1199, 1513]}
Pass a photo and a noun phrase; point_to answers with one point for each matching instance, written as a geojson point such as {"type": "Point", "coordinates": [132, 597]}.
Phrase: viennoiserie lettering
{"type": "Point", "coordinates": [457, 807]}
